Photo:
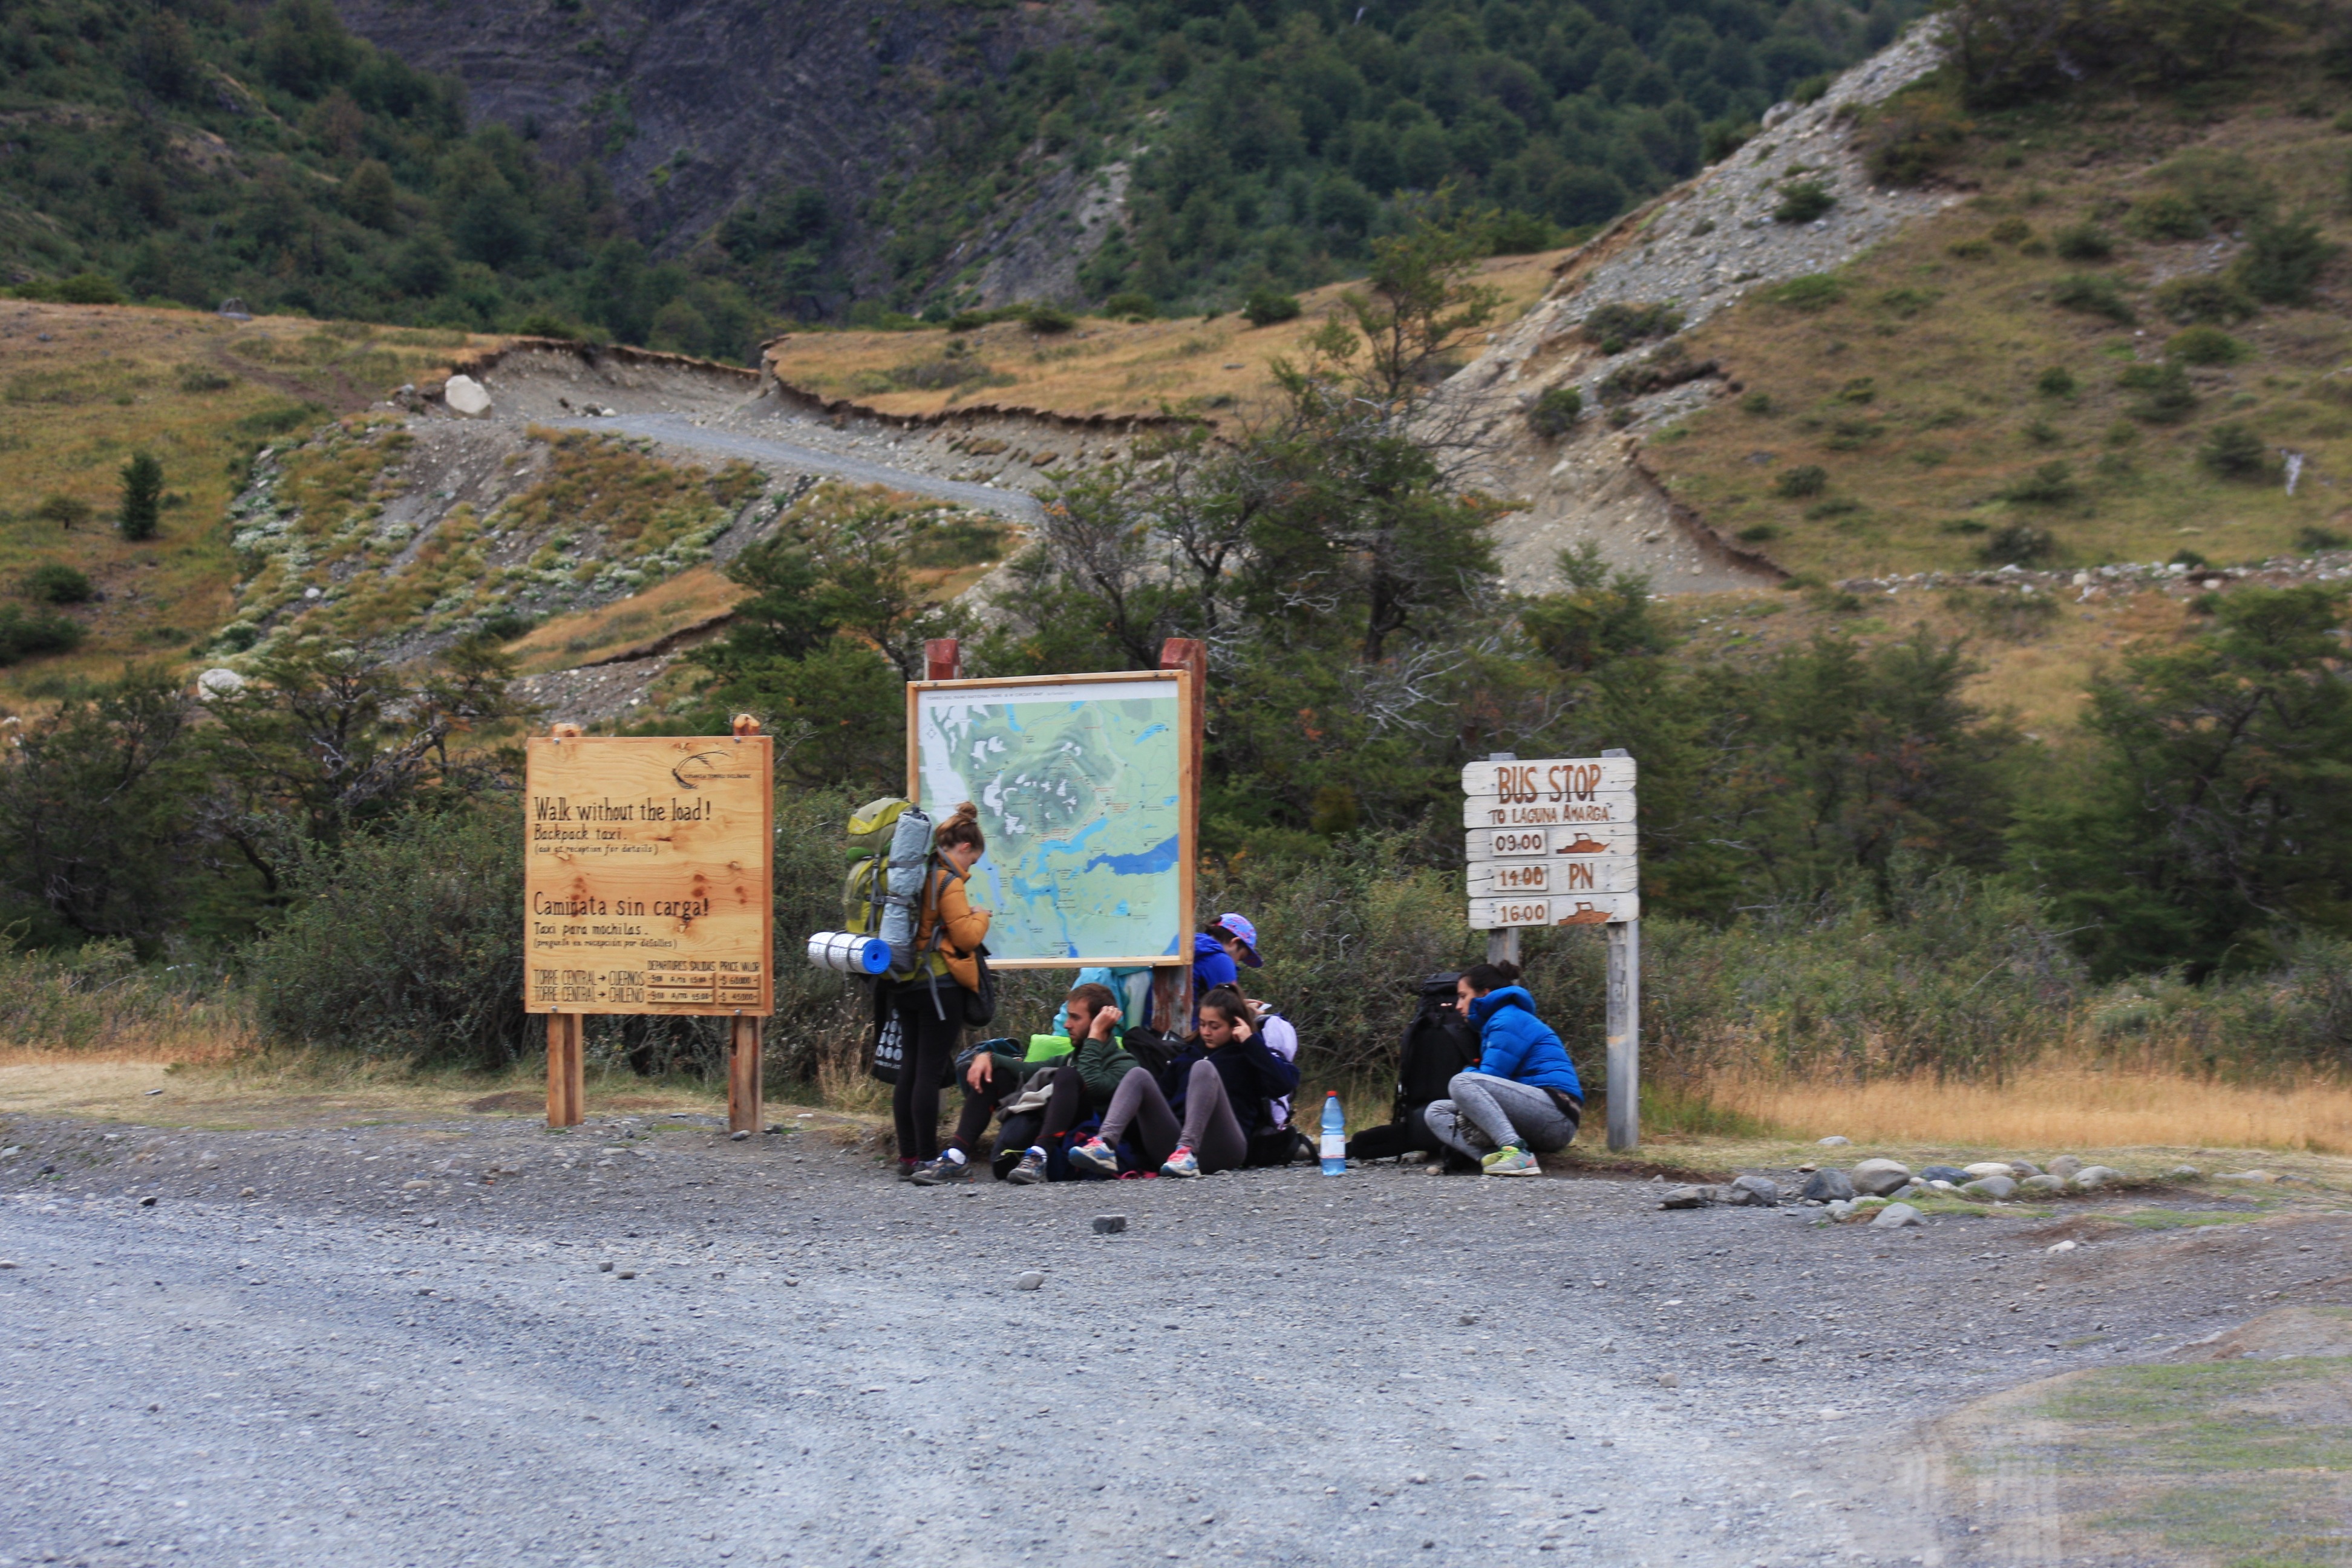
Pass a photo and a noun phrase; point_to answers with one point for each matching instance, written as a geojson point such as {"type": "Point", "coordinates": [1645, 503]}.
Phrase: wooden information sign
{"type": "Point", "coordinates": [1552, 843]}
{"type": "Point", "coordinates": [648, 887]}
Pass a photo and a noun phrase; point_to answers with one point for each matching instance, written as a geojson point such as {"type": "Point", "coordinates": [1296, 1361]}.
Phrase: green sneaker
{"type": "Point", "coordinates": [1511, 1161]}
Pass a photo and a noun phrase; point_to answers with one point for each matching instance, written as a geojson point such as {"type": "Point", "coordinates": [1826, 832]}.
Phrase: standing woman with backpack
{"type": "Point", "coordinates": [1523, 1097]}
{"type": "Point", "coordinates": [948, 934]}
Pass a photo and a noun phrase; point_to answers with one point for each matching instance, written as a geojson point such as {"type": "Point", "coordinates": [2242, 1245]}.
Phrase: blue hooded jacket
{"type": "Point", "coordinates": [1516, 1045]}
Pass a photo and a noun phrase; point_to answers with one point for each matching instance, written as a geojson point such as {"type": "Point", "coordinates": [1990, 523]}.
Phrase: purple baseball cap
{"type": "Point", "coordinates": [1235, 926]}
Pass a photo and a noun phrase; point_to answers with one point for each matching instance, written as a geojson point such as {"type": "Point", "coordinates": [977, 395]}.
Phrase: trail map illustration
{"type": "Point", "coordinates": [1080, 789]}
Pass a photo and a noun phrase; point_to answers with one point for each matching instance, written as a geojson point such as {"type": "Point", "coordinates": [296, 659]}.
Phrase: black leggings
{"type": "Point", "coordinates": [930, 1051]}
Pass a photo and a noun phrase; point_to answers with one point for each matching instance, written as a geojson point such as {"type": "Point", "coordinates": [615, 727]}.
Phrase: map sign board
{"type": "Point", "coordinates": [1550, 842]}
{"type": "Point", "coordinates": [648, 875]}
{"type": "Point", "coordinates": [1085, 788]}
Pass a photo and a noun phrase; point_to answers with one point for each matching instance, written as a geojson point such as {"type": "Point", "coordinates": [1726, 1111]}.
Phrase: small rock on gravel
{"type": "Point", "coordinates": [1689, 1198]}
{"type": "Point", "coordinates": [1895, 1216]}
{"type": "Point", "coordinates": [738, 1136]}
{"type": "Point", "coordinates": [1991, 1188]}
{"type": "Point", "coordinates": [1760, 1190]}
{"type": "Point", "coordinates": [2256, 1176]}
{"type": "Point", "coordinates": [2184, 1172]}
{"type": "Point", "coordinates": [1829, 1186]}
{"type": "Point", "coordinates": [1877, 1178]}
{"type": "Point", "coordinates": [1109, 1224]}
{"type": "Point", "coordinates": [1029, 1280]}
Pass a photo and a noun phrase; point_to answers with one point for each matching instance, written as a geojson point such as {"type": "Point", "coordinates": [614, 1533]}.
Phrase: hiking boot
{"type": "Point", "coordinates": [1095, 1155]}
{"type": "Point", "coordinates": [1029, 1172]}
{"type": "Point", "coordinates": [1511, 1161]}
{"type": "Point", "coordinates": [1179, 1164]}
{"type": "Point", "coordinates": [941, 1172]}
{"type": "Point", "coordinates": [907, 1168]}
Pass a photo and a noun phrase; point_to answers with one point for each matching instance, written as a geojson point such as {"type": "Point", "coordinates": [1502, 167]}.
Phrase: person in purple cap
{"type": "Point", "coordinates": [1217, 952]}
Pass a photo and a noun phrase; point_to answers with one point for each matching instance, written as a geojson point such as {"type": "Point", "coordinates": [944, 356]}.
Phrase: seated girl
{"type": "Point", "coordinates": [1216, 1095]}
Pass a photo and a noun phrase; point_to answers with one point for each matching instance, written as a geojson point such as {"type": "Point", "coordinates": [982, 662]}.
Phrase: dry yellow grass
{"type": "Point", "coordinates": [695, 596]}
{"type": "Point", "coordinates": [2054, 1110]}
{"type": "Point", "coordinates": [198, 392]}
{"type": "Point", "coordinates": [1099, 367]}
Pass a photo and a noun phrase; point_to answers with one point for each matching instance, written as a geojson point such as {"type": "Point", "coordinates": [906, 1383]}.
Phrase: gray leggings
{"type": "Point", "coordinates": [1211, 1130]}
{"type": "Point", "coordinates": [1484, 1113]}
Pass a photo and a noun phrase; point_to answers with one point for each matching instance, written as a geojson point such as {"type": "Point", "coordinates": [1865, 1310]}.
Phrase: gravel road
{"type": "Point", "coordinates": [641, 1343]}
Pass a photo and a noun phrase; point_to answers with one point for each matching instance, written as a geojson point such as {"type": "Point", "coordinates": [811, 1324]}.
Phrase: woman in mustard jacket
{"type": "Point", "coordinates": [932, 1041]}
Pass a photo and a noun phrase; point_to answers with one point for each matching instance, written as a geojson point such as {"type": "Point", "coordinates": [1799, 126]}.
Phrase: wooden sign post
{"type": "Point", "coordinates": [648, 887]}
{"type": "Point", "coordinates": [1171, 984]}
{"type": "Point", "coordinates": [1551, 843]}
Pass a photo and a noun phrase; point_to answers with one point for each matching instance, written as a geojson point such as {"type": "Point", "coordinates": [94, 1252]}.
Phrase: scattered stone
{"type": "Point", "coordinates": [2091, 1178]}
{"type": "Point", "coordinates": [2068, 1245]}
{"type": "Point", "coordinates": [1838, 1208]}
{"type": "Point", "coordinates": [148, 1202]}
{"type": "Point", "coordinates": [2021, 1169]}
{"type": "Point", "coordinates": [1913, 1188]}
{"type": "Point", "coordinates": [463, 395]}
{"type": "Point", "coordinates": [1951, 1174]}
{"type": "Point", "coordinates": [626, 1274]}
{"type": "Point", "coordinates": [1109, 1224]}
{"type": "Point", "coordinates": [1467, 1320]}
{"type": "Point", "coordinates": [1877, 1178]}
{"type": "Point", "coordinates": [1689, 1198]}
{"type": "Point", "coordinates": [2258, 1177]}
{"type": "Point", "coordinates": [775, 1127]}
{"type": "Point", "coordinates": [1762, 1192]}
{"type": "Point", "coordinates": [1895, 1216]}
{"type": "Point", "coordinates": [1992, 1189]}
{"type": "Point", "coordinates": [2065, 1165]}
{"type": "Point", "coordinates": [604, 1268]}
{"type": "Point", "coordinates": [2042, 1185]}
{"type": "Point", "coordinates": [247, 1192]}
{"type": "Point", "coordinates": [1988, 1168]}
{"type": "Point", "coordinates": [1829, 1186]}
{"type": "Point", "coordinates": [1836, 1143]}
{"type": "Point", "coordinates": [738, 1136]}
{"type": "Point", "coordinates": [2184, 1172]}
{"type": "Point", "coordinates": [1029, 1280]}
{"type": "Point", "coordinates": [1940, 1185]}
{"type": "Point", "coordinates": [1670, 1380]}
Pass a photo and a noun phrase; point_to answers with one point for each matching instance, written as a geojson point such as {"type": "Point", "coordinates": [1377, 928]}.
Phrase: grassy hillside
{"type": "Point", "coordinates": [83, 388]}
{"type": "Point", "coordinates": [2124, 342]}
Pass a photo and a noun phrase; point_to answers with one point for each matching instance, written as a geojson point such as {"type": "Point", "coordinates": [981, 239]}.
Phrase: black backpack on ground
{"type": "Point", "coordinates": [1438, 1043]}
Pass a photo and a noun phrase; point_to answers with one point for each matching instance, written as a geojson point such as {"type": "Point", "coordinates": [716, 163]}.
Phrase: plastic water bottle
{"type": "Point", "coordinates": [1335, 1137]}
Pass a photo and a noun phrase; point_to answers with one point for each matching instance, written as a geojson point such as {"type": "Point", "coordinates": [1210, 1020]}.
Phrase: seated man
{"type": "Point", "coordinates": [1218, 1094]}
{"type": "Point", "coordinates": [992, 1081]}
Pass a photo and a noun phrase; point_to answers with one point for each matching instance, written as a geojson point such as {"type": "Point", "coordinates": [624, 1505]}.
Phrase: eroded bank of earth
{"type": "Point", "coordinates": [638, 1342]}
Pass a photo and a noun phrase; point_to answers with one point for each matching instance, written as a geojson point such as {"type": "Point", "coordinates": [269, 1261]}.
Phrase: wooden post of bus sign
{"type": "Point", "coordinates": [1551, 843]}
{"type": "Point", "coordinates": [648, 887]}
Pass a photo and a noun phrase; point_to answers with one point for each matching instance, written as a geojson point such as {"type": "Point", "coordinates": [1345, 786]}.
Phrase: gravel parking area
{"type": "Point", "coordinates": [641, 1343]}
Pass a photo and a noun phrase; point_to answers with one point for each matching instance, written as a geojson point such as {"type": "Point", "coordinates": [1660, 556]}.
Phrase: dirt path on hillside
{"type": "Point", "coordinates": [403, 1344]}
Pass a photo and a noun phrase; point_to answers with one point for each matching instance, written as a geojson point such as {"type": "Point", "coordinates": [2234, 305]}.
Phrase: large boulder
{"type": "Point", "coordinates": [1877, 1178]}
{"type": "Point", "coordinates": [2063, 1166]}
{"type": "Point", "coordinates": [463, 395]}
{"type": "Point", "coordinates": [2091, 1178]}
{"type": "Point", "coordinates": [1991, 1189]}
{"type": "Point", "coordinates": [2043, 1185]}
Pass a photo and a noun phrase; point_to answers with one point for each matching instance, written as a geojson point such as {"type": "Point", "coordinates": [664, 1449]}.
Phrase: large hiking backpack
{"type": "Point", "coordinates": [890, 859]}
{"type": "Point", "coordinates": [1438, 1043]}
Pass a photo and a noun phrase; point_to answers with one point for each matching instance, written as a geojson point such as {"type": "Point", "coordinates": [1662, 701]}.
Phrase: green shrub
{"type": "Point", "coordinates": [2052, 484]}
{"type": "Point", "coordinates": [201, 378]}
{"type": "Point", "coordinates": [29, 636]}
{"type": "Point", "coordinates": [1797, 483]}
{"type": "Point", "coordinates": [1907, 303]}
{"type": "Point", "coordinates": [2084, 242]}
{"type": "Point", "coordinates": [1803, 201]}
{"type": "Point", "coordinates": [2010, 231]}
{"type": "Point", "coordinates": [2283, 260]}
{"type": "Point", "coordinates": [54, 583]}
{"type": "Point", "coordinates": [1556, 410]}
{"type": "Point", "coordinates": [1046, 320]}
{"type": "Point", "coordinates": [548, 324]}
{"type": "Point", "coordinates": [1758, 404]}
{"type": "Point", "coordinates": [68, 512]}
{"type": "Point", "coordinates": [1519, 233]}
{"type": "Point", "coordinates": [2164, 215]}
{"type": "Point", "coordinates": [2316, 539]}
{"type": "Point", "coordinates": [2017, 544]}
{"type": "Point", "coordinates": [1619, 325]}
{"type": "Point", "coordinates": [2205, 345]}
{"type": "Point", "coordinates": [1265, 307]}
{"type": "Point", "coordinates": [2055, 382]}
{"type": "Point", "coordinates": [1813, 291]}
{"type": "Point", "coordinates": [2190, 558]}
{"type": "Point", "coordinates": [1130, 307]}
{"type": "Point", "coordinates": [2042, 433]}
{"type": "Point", "coordinates": [1761, 533]}
{"type": "Point", "coordinates": [1813, 89]}
{"type": "Point", "coordinates": [2167, 396]}
{"type": "Point", "coordinates": [406, 946]}
{"type": "Point", "coordinates": [2094, 293]}
{"type": "Point", "coordinates": [1904, 145]}
{"type": "Point", "coordinates": [2203, 297]}
{"type": "Point", "coordinates": [1970, 249]}
{"type": "Point", "coordinates": [142, 494]}
{"type": "Point", "coordinates": [2234, 452]}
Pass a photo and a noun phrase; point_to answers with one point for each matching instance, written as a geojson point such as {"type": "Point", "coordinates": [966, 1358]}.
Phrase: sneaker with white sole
{"type": "Point", "coordinates": [942, 1172]}
{"type": "Point", "coordinates": [1179, 1164]}
{"type": "Point", "coordinates": [1511, 1161]}
{"type": "Point", "coordinates": [1095, 1155]}
{"type": "Point", "coordinates": [1030, 1171]}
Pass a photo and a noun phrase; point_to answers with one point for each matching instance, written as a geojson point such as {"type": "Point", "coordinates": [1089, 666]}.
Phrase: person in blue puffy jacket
{"type": "Point", "coordinates": [1523, 1098]}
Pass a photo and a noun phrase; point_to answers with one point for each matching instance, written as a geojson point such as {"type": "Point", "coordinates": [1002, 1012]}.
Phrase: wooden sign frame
{"type": "Point", "coordinates": [1187, 678]}
{"type": "Point", "coordinates": [642, 829]}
